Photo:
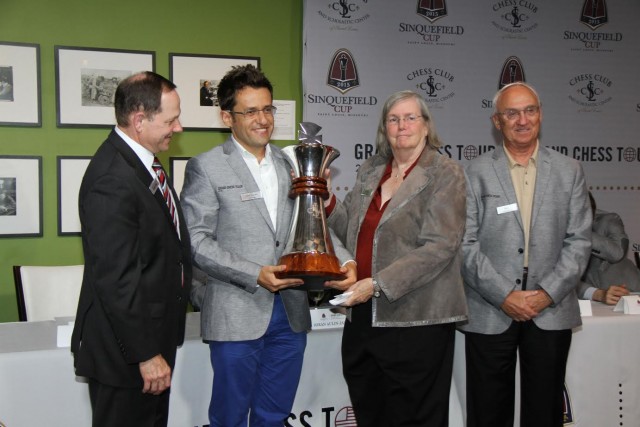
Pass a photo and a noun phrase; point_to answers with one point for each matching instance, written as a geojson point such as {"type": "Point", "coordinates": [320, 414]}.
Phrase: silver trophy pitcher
{"type": "Point", "coordinates": [310, 253]}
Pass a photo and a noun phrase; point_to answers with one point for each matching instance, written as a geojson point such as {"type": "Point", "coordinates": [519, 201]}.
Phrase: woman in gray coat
{"type": "Point", "coordinates": [404, 219]}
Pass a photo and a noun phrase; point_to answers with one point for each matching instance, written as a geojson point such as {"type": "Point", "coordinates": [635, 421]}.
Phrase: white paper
{"type": "Point", "coordinates": [284, 128]}
{"type": "Point", "coordinates": [585, 308]}
{"type": "Point", "coordinates": [339, 299]}
{"type": "Point", "coordinates": [64, 335]}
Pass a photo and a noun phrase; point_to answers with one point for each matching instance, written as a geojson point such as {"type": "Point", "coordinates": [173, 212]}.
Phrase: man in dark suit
{"type": "Point", "coordinates": [131, 312]}
{"type": "Point", "coordinates": [526, 245]}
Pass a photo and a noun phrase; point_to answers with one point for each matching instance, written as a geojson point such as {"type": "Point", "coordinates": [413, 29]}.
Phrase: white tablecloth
{"type": "Point", "coordinates": [38, 387]}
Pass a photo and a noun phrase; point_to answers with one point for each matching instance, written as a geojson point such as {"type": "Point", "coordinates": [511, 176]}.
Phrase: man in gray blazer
{"type": "Point", "coordinates": [526, 245]}
{"type": "Point", "coordinates": [610, 274]}
{"type": "Point", "coordinates": [236, 204]}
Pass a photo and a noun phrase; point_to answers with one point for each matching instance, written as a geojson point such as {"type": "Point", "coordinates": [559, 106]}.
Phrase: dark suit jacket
{"type": "Point", "coordinates": [133, 299]}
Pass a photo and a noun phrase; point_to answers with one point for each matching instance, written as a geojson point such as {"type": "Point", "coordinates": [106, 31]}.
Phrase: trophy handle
{"type": "Point", "coordinates": [290, 156]}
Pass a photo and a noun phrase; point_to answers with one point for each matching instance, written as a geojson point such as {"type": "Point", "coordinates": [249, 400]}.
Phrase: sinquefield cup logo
{"type": "Point", "coordinates": [343, 74]}
{"type": "Point", "coordinates": [512, 71]}
{"type": "Point", "coordinates": [594, 13]}
{"type": "Point", "coordinates": [432, 10]}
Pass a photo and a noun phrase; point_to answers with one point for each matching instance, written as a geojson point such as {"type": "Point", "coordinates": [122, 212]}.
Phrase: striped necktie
{"type": "Point", "coordinates": [166, 192]}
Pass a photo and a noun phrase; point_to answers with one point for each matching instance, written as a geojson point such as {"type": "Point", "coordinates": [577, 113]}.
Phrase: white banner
{"type": "Point", "coordinates": [580, 55]}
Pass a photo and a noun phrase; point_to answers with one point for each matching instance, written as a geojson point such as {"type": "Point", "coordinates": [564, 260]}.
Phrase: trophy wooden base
{"type": "Point", "coordinates": [314, 268]}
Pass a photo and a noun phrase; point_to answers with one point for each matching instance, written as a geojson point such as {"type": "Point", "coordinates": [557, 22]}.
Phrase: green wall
{"type": "Point", "coordinates": [271, 30]}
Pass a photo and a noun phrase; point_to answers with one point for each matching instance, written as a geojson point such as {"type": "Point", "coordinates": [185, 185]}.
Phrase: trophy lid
{"type": "Point", "coordinates": [308, 133]}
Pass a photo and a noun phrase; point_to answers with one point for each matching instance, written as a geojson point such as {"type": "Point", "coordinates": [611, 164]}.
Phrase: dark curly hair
{"type": "Point", "coordinates": [238, 78]}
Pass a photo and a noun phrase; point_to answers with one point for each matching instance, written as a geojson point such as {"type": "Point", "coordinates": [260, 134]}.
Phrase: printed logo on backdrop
{"type": "Point", "coordinates": [344, 14]}
{"type": "Point", "coordinates": [342, 77]}
{"type": "Point", "coordinates": [515, 18]}
{"type": "Point", "coordinates": [594, 15]}
{"type": "Point", "coordinates": [343, 74]}
{"type": "Point", "coordinates": [590, 91]}
{"type": "Point", "coordinates": [345, 417]}
{"type": "Point", "coordinates": [434, 84]}
{"type": "Point", "coordinates": [426, 34]}
{"type": "Point", "coordinates": [512, 71]}
{"type": "Point", "coordinates": [432, 10]}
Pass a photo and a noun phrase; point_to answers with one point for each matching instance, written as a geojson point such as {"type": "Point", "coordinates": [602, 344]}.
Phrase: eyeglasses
{"type": "Point", "coordinates": [410, 120]}
{"type": "Point", "coordinates": [269, 110]}
{"type": "Point", "coordinates": [512, 113]}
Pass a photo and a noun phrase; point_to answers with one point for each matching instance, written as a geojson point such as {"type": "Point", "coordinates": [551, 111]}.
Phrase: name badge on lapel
{"type": "Point", "coordinates": [245, 197]}
{"type": "Point", "coordinates": [154, 186]}
{"type": "Point", "coordinates": [507, 208]}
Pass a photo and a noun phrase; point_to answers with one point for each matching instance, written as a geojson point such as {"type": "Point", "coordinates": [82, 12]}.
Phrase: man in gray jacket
{"type": "Point", "coordinates": [610, 274]}
{"type": "Point", "coordinates": [236, 204]}
{"type": "Point", "coordinates": [527, 242]}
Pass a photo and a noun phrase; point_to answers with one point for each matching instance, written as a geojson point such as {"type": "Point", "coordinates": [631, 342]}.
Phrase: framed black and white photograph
{"type": "Point", "coordinates": [86, 81]}
{"type": "Point", "coordinates": [177, 165]}
{"type": "Point", "coordinates": [70, 172]}
{"type": "Point", "coordinates": [197, 78]}
{"type": "Point", "coordinates": [20, 196]}
{"type": "Point", "coordinates": [20, 84]}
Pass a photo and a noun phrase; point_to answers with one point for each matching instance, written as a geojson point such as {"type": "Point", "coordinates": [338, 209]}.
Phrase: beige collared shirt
{"type": "Point", "coordinates": [524, 183]}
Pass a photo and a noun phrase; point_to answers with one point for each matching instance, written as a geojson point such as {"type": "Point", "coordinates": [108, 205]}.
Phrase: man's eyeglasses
{"type": "Point", "coordinates": [512, 113]}
{"type": "Point", "coordinates": [269, 110]}
{"type": "Point", "coordinates": [410, 120]}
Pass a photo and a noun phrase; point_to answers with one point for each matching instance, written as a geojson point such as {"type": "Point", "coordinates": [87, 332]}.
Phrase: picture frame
{"type": "Point", "coordinates": [86, 80]}
{"type": "Point", "coordinates": [20, 94]}
{"type": "Point", "coordinates": [71, 170]}
{"type": "Point", "coordinates": [20, 196]}
{"type": "Point", "coordinates": [189, 72]}
{"type": "Point", "coordinates": [177, 166]}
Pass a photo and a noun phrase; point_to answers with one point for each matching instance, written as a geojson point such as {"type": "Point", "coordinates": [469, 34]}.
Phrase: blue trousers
{"type": "Point", "coordinates": [256, 380]}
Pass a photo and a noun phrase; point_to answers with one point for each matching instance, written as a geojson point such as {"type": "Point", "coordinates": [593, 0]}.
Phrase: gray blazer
{"type": "Point", "coordinates": [416, 249]}
{"type": "Point", "coordinates": [493, 246]}
{"type": "Point", "coordinates": [609, 264]}
{"type": "Point", "coordinates": [232, 238]}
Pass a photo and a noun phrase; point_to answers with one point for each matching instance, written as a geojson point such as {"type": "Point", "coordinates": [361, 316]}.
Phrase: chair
{"type": "Point", "coordinates": [44, 293]}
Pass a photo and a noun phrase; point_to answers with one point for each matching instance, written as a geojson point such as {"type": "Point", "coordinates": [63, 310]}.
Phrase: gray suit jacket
{"type": "Point", "coordinates": [416, 252]}
{"type": "Point", "coordinates": [232, 238]}
{"type": "Point", "coordinates": [493, 245]}
{"type": "Point", "coordinates": [609, 264]}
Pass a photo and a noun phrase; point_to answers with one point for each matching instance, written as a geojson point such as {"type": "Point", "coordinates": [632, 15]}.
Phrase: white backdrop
{"type": "Point", "coordinates": [582, 56]}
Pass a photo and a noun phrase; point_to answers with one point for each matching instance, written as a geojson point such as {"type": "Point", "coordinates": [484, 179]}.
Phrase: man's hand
{"type": "Point", "coordinates": [350, 270]}
{"type": "Point", "coordinates": [614, 293]}
{"type": "Point", "coordinates": [516, 305]}
{"type": "Point", "coordinates": [268, 280]}
{"type": "Point", "coordinates": [156, 375]}
{"type": "Point", "coordinates": [539, 301]}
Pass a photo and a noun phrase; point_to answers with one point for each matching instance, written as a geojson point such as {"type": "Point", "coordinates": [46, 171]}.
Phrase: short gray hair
{"type": "Point", "coordinates": [503, 89]}
{"type": "Point", "coordinates": [382, 144]}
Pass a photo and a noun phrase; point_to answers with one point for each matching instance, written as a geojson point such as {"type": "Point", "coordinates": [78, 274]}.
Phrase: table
{"type": "Point", "coordinates": [38, 386]}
